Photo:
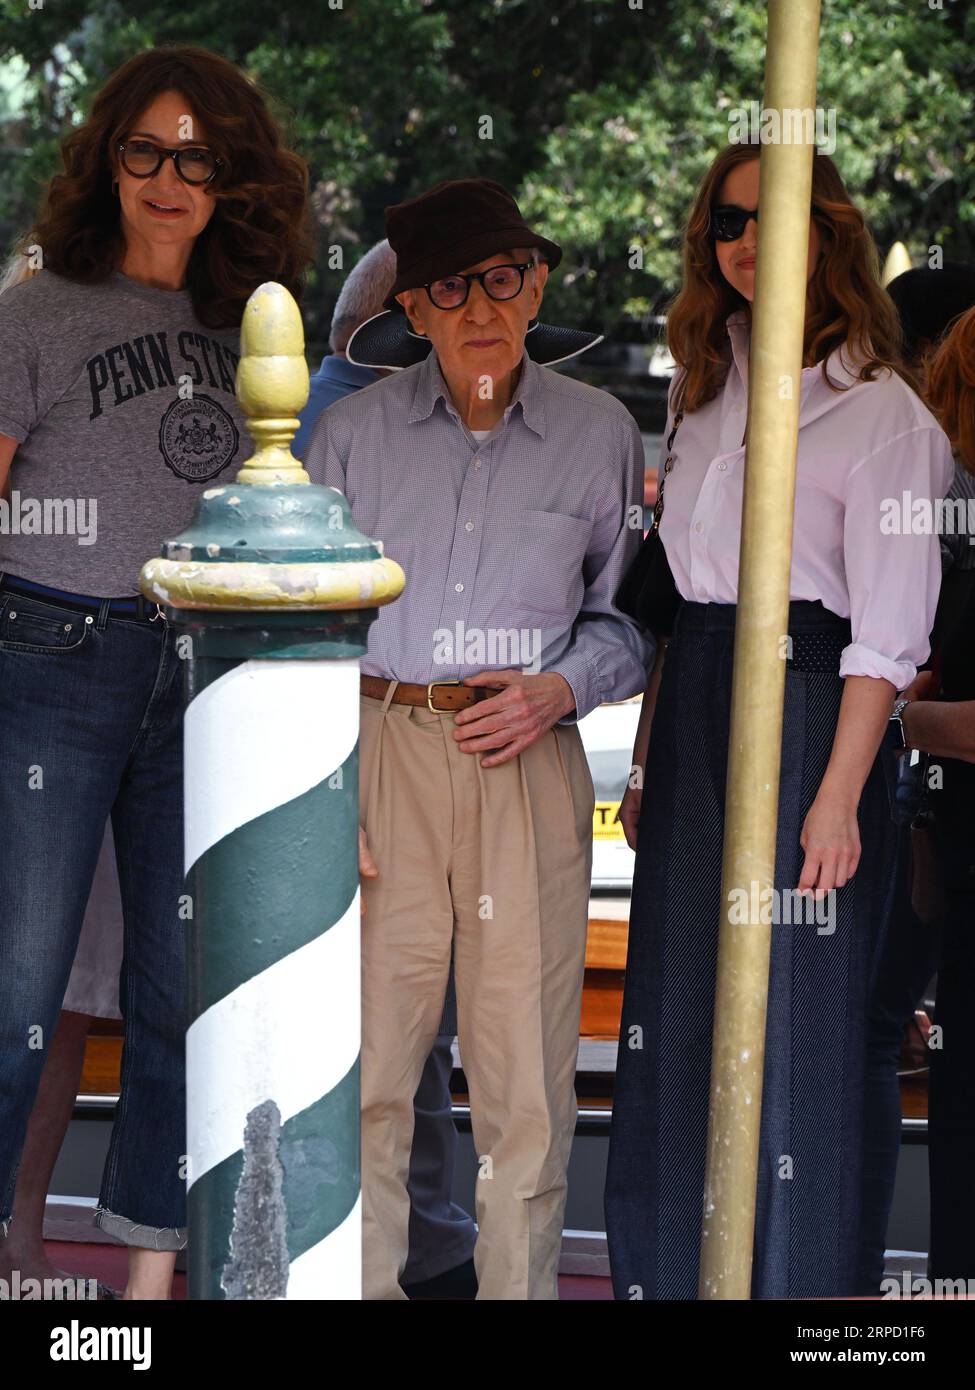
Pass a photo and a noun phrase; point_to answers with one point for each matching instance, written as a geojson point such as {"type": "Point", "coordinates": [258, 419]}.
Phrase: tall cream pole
{"type": "Point", "coordinates": [751, 803]}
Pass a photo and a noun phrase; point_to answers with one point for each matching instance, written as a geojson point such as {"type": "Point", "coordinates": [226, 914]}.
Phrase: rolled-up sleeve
{"type": "Point", "coordinates": [893, 569]}
{"type": "Point", "coordinates": [608, 656]}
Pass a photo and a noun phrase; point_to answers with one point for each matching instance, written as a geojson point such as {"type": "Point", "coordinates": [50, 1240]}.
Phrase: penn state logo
{"type": "Point", "coordinates": [197, 438]}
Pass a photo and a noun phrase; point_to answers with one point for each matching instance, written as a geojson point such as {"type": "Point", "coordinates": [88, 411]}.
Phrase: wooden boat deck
{"type": "Point", "coordinates": [602, 1002]}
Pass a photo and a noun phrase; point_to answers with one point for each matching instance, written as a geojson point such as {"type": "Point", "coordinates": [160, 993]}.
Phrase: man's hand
{"type": "Point", "coordinates": [367, 865]}
{"type": "Point", "coordinates": [510, 722]}
{"type": "Point", "coordinates": [629, 814]}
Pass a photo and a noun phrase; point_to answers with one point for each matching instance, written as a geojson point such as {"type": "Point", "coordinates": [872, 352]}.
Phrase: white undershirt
{"type": "Point", "coordinates": [480, 434]}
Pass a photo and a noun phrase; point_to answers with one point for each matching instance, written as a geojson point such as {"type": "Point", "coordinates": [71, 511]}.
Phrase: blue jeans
{"type": "Point", "coordinates": [91, 726]}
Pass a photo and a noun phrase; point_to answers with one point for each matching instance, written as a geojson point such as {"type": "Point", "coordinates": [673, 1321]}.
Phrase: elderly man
{"type": "Point", "coordinates": [508, 493]}
{"type": "Point", "coordinates": [442, 1234]}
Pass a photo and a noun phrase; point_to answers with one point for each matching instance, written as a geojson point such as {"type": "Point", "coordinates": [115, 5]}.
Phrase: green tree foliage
{"type": "Point", "coordinates": [601, 115]}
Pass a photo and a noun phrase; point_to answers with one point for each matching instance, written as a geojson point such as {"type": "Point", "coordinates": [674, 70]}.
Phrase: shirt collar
{"type": "Point", "coordinates": [739, 331]}
{"type": "Point", "coordinates": [839, 363]}
{"type": "Point", "coordinates": [529, 394]}
{"type": "Point", "coordinates": [335, 368]}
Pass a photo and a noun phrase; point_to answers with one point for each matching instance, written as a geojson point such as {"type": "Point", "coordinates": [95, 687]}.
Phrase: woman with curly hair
{"type": "Point", "coordinates": [861, 607]}
{"type": "Point", "coordinates": [117, 372]}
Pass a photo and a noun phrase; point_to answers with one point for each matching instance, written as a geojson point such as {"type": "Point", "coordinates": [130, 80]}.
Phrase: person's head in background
{"type": "Point", "coordinates": [928, 301]}
{"type": "Point", "coordinates": [951, 386]}
{"type": "Point", "coordinates": [845, 303]}
{"type": "Point", "coordinates": [19, 267]}
{"type": "Point", "coordinates": [361, 297]}
{"type": "Point", "coordinates": [230, 208]}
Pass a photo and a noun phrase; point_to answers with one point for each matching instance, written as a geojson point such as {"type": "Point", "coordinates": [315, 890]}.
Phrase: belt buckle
{"type": "Point", "coordinates": [430, 686]}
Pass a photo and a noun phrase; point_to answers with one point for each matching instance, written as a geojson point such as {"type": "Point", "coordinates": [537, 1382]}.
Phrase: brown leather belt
{"type": "Point", "coordinates": [441, 697]}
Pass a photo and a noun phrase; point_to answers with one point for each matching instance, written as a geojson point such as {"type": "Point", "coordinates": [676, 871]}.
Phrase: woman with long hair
{"type": "Point", "coordinates": [117, 371]}
{"type": "Point", "coordinates": [862, 602]}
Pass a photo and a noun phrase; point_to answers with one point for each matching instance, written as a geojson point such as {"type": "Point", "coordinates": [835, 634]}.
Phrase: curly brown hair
{"type": "Point", "coordinates": [260, 228]}
{"type": "Point", "coordinates": [845, 301]}
{"type": "Point", "coordinates": [951, 386]}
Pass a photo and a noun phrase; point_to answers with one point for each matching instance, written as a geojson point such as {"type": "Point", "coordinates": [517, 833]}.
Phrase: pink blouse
{"type": "Point", "coordinates": [865, 456]}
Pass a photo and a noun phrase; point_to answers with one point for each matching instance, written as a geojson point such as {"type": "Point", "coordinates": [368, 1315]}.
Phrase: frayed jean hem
{"type": "Point", "coordinates": [145, 1237]}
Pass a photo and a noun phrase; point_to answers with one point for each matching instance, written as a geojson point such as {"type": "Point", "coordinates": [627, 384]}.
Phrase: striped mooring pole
{"type": "Point", "coordinates": [271, 590]}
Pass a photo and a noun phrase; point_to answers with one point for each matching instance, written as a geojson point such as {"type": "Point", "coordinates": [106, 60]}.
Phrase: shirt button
{"type": "Point", "coordinates": [468, 526]}
{"type": "Point", "coordinates": [459, 588]}
{"type": "Point", "coordinates": [722, 467]}
{"type": "Point", "coordinates": [477, 463]}
{"type": "Point", "coordinates": [699, 526]}
{"type": "Point", "coordinates": [739, 409]}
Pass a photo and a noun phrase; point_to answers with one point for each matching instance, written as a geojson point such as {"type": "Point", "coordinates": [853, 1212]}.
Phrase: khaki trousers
{"type": "Point", "coordinates": [494, 862]}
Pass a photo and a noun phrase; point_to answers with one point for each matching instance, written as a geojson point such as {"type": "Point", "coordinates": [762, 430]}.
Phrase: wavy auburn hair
{"type": "Point", "coordinates": [845, 302]}
{"type": "Point", "coordinates": [951, 386]}
{"type": "Point", "coordinates": [259, 229]}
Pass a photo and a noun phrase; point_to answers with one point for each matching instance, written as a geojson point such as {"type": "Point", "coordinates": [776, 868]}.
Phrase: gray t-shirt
{"type": "Point", "coordinates": [123, 407]}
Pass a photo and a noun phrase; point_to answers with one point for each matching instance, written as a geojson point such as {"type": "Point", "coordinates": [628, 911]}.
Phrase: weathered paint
{"type": "Point", "coordinates": [198, 585]}
{"type": "Point", "coordinates": [257, 1265]}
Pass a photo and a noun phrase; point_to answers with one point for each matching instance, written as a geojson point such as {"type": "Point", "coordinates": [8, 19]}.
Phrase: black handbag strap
{"type": "Point", "coordinates": [658, 506]}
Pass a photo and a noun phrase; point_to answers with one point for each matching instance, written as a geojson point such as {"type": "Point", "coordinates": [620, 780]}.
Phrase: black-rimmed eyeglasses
{"type": "Point", "coordinates": [499, 282]}
{"type": "Point", "coordinates": [194, 163]}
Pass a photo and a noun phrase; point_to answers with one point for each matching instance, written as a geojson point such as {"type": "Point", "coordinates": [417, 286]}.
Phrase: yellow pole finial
{"type": "Point", "coordinates": [898, 260]}
{"type": "Point", "coordinates": [272, 384]}
{"type": "Point", "coordinates": [276, 547]}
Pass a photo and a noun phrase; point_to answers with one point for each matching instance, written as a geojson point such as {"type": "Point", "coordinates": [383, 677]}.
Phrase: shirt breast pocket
{"type": "Point", "coordinates": [547, 572]}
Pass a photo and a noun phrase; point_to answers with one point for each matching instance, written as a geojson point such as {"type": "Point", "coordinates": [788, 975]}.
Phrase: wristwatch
{"type": "Point", "coordinates": [896, 721]}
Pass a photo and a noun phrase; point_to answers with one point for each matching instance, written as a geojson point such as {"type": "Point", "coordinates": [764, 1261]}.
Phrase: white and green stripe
{"type": "Point", "coordinates": [271, 766]}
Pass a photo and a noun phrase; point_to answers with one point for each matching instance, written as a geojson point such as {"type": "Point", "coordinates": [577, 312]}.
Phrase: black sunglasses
{"type": "Point", "coordinates": [498, 282]}
{"type": "Point", "coordinates": [194, 163]}
{"type": "Point", "coordinates": [728, 222]}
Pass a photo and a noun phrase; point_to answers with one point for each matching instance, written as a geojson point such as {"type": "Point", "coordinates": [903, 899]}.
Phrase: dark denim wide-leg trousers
{"type": "Point", "coordinates": [820, 976]}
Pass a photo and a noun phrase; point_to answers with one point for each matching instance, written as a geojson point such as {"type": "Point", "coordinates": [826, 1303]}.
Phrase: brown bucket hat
{"type": "Point", "coordinates": [455, 224]}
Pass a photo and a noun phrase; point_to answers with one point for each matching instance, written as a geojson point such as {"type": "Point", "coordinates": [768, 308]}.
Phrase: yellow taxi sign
{"type": "Point", "coordinates": [605, 821]}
